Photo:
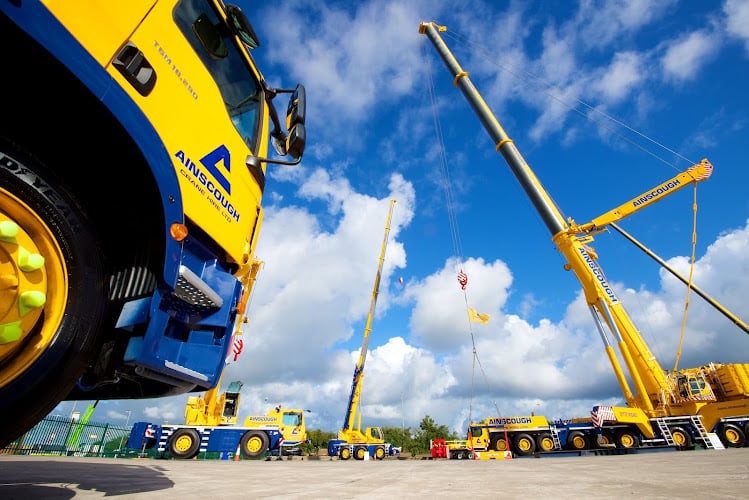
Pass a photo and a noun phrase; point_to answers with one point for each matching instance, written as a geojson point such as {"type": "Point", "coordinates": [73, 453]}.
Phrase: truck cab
{"type": "Point", "coordinates": [130, 196]}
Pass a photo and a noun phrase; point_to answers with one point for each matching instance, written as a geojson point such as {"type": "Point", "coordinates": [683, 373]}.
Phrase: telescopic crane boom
{"type": "Point", "coordinates": [716, 393]}
{"type": "Point", "coordinates": [353, 401]}
{"type": "Point", "coordinates": [351, 440]}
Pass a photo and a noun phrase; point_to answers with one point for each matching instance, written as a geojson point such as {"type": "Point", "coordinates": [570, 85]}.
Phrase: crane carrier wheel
{"type": "Point", "coordinates": [681, 437]}
{"type": "Point", "coordinates": [345, 453]}
{"type": "Point", "coordinates": [545, 442]}
{"type": "Point", "coordinates": [732, 435]}
{"type": "Point", "coordinates": [360, 452]}
{"type": "Point", "coordinates": [379, 453]}
{"type": "Point", "coordinates": [499, 443]}
{"type": "Point", "coordinates": [184, 443]}
{"type": "Point", "coordinates": [605, 440]}
{"type": "Point", "coordinates": [254, 444]}
{"type": "Point", "coordinates": [524, 444]}
{"type": "Point", "coordinates": [52, 295]}
{"type": "Point", "coordinates": [577, 441]}
{"type": "Point", "coordinates": [627, 439]}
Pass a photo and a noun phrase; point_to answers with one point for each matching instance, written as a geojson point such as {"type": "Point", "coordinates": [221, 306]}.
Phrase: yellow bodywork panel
{"type": "Point", "coordinates": [734, 380]}
{"type": "Point", "coordinates": [183, 89]}
{"type": "Point", "coordinates": [290, 423]}
{"type": "Point", "coordinates": [100, 25]}
{"type": "Point", "coordinates": [518, 422]}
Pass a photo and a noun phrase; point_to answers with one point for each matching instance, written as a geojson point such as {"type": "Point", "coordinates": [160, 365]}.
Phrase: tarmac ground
{"type": "Point", "coordinates": [698, 473]}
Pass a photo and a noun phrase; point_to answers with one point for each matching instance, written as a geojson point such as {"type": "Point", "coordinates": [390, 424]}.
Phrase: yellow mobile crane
{"type": "Point", "coordinates": [211, 419]}
{"type": "Point", "coordinates": [678, 407]}
{"type": "Point", "coordinates": [350, 440]}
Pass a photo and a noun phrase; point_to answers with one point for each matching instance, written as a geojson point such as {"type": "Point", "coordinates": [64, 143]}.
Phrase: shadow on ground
{"type": "Point", "coordinates": [55, 479]}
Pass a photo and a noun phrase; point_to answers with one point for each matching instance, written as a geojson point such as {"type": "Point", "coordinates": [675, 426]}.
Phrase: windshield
{"type": "Point", "coordinates": [212, 41]}
{"type": "Point", "coordinates": [292, 419]}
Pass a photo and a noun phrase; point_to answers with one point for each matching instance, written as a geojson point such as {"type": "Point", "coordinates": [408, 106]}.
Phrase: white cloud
{"type": "Point", "coordinates": [624, 72]}
{"type": "Point", "coordinates": [684, 58]}
{"type": "Point", "coordinates": [737, 20]}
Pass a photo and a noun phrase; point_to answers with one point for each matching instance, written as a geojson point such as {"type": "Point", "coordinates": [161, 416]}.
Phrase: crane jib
{"type": "Point", "coordinates": [657, 192]}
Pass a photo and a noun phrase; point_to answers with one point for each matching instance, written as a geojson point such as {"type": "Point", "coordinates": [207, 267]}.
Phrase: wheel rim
{"type": "Point", "coordinates": [627, 440]}
{"type": "Point", "coordinates": [605, 439]}
{"type": "Point", "coordinates": [732, 435]}
{"type": "Point", "coordinates": [546, 443]}
{"type": "Point", "coordinates": [679, 438]}
{"type": "Point", "coordinates": [578, 442]}
{"type": "Point", "coordinates": [183, 443]}
{"type": "Point", "coordinates": [254, 444]}
{"type": "Point", "coordinates": [501, 445]}
{"type": "Point", "coordinates": [34, 283]}
{"type": "Point", "coordinates": [525, 445]}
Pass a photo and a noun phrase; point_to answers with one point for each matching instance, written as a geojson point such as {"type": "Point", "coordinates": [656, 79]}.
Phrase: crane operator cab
{"type": "Point", "coordinates": [693, 386]}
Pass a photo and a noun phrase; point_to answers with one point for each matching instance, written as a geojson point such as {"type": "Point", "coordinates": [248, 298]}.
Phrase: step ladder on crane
{"type": "Point", "coordinates": [665, 431]}
{"type": "Point", "coordinates": [704, 435]}
{"type": "Point", "coordinates": [555, 438]}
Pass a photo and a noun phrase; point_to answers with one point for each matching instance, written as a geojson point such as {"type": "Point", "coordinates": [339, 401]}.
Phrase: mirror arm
{"type": "Point", "coordinates": [254, 161]}
{"type": "Point", "coordinates": [270, 94]}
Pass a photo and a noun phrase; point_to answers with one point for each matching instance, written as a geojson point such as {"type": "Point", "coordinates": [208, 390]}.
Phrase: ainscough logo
{"type": "Point", "coordinates": [509, 420]}
{"type": "Point", "coordinates": [217, 192]}
{"type": "Point", "coordinates": [598, 273]}
{"type": "Point", "coordinates": [657, 192]}
{"type": "Point", "coordinates": [259, 418]}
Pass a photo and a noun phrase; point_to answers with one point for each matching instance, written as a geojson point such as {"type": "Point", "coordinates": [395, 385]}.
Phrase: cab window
{"type": "Point", "coordinates": [224, 60]}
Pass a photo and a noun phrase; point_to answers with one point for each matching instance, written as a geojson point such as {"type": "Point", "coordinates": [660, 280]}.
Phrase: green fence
{"type": "Point", "coordinates": [68, 437]}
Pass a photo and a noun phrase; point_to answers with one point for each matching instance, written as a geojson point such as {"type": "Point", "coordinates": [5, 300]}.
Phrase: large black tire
{"type": "Point", "coordinates": [524, 444]}
{"type": "Point", "coordinates": [731, 435]}
{"type": "Point", "coordinates": [44, 350]}
{"type": "Point", "coordinates": [359, 452]}
{"type": "Point", "coordinates": [545, 442]}
{"type": "Point", "coordinates": [681, 437]}
{"type": "Point", "coordinates": [627, 439]}
{"type": "Point", "coordinates": [184, 443]}
{"type": "Point", "coordinates": [499, 443]}
{"type": "Point", "coordinates": [604, 440]}
{"type": "Point", "coordinates": [577, 441]}
{"type": "Point", "coordinates": [254, 444]}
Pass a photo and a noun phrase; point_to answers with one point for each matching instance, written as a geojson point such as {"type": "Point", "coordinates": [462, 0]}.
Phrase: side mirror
{"type": "Point", "coordinates": [295, 117]}
{"type": "Point", "coordinates": [291, 143]}
{"type": "Point", "coordinates": [297, 110]}
{"type": "Point", "coordinates": [296, 141]}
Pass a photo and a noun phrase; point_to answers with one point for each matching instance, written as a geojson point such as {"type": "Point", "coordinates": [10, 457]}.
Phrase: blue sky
{"type": "Point", "coordinates": [385, 121]}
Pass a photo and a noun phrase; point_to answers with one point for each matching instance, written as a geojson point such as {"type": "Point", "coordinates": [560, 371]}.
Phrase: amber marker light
{"type": "Point", "coordinates": [178, 231]}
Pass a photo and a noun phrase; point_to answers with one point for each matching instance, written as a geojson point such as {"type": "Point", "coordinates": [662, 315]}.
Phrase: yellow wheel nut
{"type": "Point", "coordinates": [31, 300]}
{"type": "Point", "coordinates": [8, 230]}
{"type": "Point", "coordinates": [10, 332]}
{"type": "Point", "coordinates": [29, 261]}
